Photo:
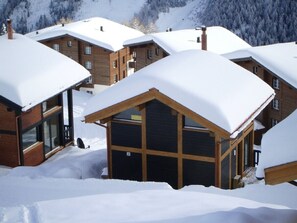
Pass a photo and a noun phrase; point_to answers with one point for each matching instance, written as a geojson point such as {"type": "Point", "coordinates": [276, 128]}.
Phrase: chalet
{"type": "Point", "coordinates": [278, 161]}
{"type": "Point", "coordinates": [275, 64]}
{"type": "Point", "coordinates": [33, 80]}
{"type": "Point", "coordinates": [186, 119]}
{"type": "Point", "coordinates": [95, 43]}
{"type": "Point", "coordinates": [153, 47]}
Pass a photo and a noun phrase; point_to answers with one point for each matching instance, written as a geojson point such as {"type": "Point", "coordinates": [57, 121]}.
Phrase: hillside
{"type": "Point", "coordinates": [257, 22]}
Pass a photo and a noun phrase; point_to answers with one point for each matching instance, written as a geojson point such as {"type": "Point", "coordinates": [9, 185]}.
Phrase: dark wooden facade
{"type": "Point", "coordinates": [150, 139]}
{"type": "Point", "coordinates": [146, 54]}
{"type": "Point", "coordinates": [285, 101]}
{"type": "Point", "coordinates": [28, 138]}
{"type": "Point", "coordinates": [105, 66]}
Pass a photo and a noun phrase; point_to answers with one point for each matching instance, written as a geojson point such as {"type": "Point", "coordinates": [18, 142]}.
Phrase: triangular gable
{"type": "Point", "coordinates": [152, 94]}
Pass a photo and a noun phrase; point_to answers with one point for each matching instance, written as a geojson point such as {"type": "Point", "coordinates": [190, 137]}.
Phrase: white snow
{"type": "Point", "coordinates": [89, 30]}
{"type": "Point", "coordinates": [27, 67]}
{"type": "Point", "coordinates": [280, 59]}
{"type": "Point", "coordinates": [208, 84]}
{"type": "Point", "coordinates": [66, 188]}
{"type": "Point", "coordinates": [219, 40]}
{"type": "Point", "coordinates": [278, 145]}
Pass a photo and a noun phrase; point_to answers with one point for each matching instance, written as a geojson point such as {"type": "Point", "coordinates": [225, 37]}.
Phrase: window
{"type": "Point", "coordinates": [88, 50]}
{"type": "Point", "coordinates": [115, 64]}
{"type": "Point", "coordinates": [89, 80]}
{"type": "Point", "coordinates": [56, 47]}
{"type": "Point", "coordinates": [157, 51]}
{"type": "Point", "coordinates": [30, 137]}
{"type": "Point", "coordinates": [69, 43]}
{"type": "Point", "coordinates": [275, 83]}
{"type": "Point", "coordinates": [124, 73]}
{"type": "Point", "coordinates": [275, 104]}
{"type": "Point", "coordinates": [134, 55]}
{"type": "Point", "coordinates": [131, 114]}
{"type": "Point", "coordinates": [123, 59]}
{"type": "Point", "coordinates": [115, 78]}
{"type": "Point", "coordinates": [190, 123]}
{"type": "Point", "coordinates": [149, 54]}
{"type": "Point", "coordinates": [51, 134]}
{"type": "Point", "coordinates": [273, 122]}
{"type": "Point", "coordinates": [255, 69]}
{"type": "Point", "coordinates": [88, 65]}
{"type": "Point", "coordinates": [247, 150]}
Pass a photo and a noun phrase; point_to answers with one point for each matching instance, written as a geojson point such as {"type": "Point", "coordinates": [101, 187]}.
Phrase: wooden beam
{"type": "Point", "coordinates": [119, 107]}
{"type": "Point", "coordinates": [143, 144]}
{"type": "Point", "coordinates": [280, 174]}
{"type": "Point", "coordinates": [180, 150]}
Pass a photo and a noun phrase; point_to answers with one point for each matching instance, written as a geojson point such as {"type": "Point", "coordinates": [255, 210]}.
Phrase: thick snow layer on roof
{"type": "Point", "coordinates": [31, 72]}
{"type": "Point", "coordinates": [280, 59]}
{"type": "Point", "coordinates": [208, 84]}
{"type": "Point", "coordinates": [219, 40]}
{"type": "Point", "coordinates": [279, 145]}
{"type": "Point", "coordinates": [111, 38]}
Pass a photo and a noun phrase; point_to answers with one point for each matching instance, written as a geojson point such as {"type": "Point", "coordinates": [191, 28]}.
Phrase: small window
{"type": "Point", "coordinates": [56, 47]}
{"type": "Point", "coordinates": [131, 114]}
{"type": "Point", "coordinates": [123, 59]}
{"type": "Point", "coordinates": [255, 69]}
{"type": "Point", "coordinates": [69, 43]}
{"type": "Point", "coordinates": [134, 55]}
{"type": "Point", "coordinates": [89, 80]}
{"type": "Point", "coordinates": [124, 73]}
{"type": "Point", "coordinates": [275, 83]}
{"type": "Point", "coordinates": [190, 123]}
{"type": "Point", "coordinates": [88, 50]}
{"type": "Point", "coordinates": [88, 65]}
{"type": "Point", "coordinates": [116, 79]}
{"type": "Point", "coordinates": [149, 54]}
{"type": "Point", "coordinates": [115, 64]}
{"type": "Point", "coordinates": [273, 122]}
{"type": "Point", "coordinates": [275, 104]}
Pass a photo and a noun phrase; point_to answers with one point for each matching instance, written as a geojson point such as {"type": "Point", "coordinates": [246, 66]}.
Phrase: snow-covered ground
{"type": "Point", "coordinates": [68, 188]}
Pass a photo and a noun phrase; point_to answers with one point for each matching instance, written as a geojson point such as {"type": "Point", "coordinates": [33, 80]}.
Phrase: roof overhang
{"type": "Point", "coordinates": [106, 113]}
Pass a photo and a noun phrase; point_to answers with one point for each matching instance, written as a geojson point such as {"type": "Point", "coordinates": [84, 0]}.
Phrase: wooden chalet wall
{"type": "Point", "coordinates": [8, 137]}
{"type": "Point", "coordinates": [14, 125]}
{"type": "Point", "coordinates": [147, 54]}
{"type": "Point", "coordinates": [158, 146]}
{"type": "Point", "coordinates": [285, 94]}
{"type": "Point", "coordinates": [105, 66]}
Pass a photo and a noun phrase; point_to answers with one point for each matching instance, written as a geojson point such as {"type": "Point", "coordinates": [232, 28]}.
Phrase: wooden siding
{"type": "Point", "coordinates": [126, 134]}
{"type": "Point", "coordinates": [9, 150]}
{"type": "Point", "coordinates": [142, 59]}
{"type": "Point", "coordinates": [34, 155]}
{"type": "Point", "coordinates": [31, 117]}
{"type": "Point", "coordinates": [286, 94]}
{"type": "Point", "coordinates": [161, 127]}
{"type": "Point", "coordinates": [102, 69]}
{"type": "Point", "coordinates": [225, 176]}
{"type": "Point", "coordinates": [198, 143]}
{"type": "Point", "coordinates": [197, 172]}
{"type": "Point", "coordinates": [280, 174]}
{"type": "Point", "coordinates": [7, 119]}
{"type": "Point", "coordinates": [162, 169]}
{"type": "Point", "coordinates": [126, 165]}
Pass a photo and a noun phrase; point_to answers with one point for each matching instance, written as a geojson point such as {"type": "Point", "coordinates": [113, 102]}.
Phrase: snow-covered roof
{"type": "Point", "coordinates": [111, 38]}
{"type": "Point", "coordinates": [219, 40]}
{"type": "Point", "coordinates": [206, 83]}
{"type": "Point", "coordinates": [280, 59]}
{"type": "Point", "coordinates": [31, 72]}
{"type": "Point", "coordinates": [278, 145]}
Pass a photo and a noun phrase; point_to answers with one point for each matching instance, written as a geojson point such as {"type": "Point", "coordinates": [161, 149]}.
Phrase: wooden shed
{"type": "Point", "coordinates": [186, 119]}
{"type": "Point", "coordinates": [34, 83]}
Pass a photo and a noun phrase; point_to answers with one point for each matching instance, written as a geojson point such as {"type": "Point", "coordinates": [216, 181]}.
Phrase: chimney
{"type": "Point", "coordinates": [101, 29]}
{"type": "Point", "coordinates": [9, 29]}
{"type": "Point", "coordinates": [203, 38]}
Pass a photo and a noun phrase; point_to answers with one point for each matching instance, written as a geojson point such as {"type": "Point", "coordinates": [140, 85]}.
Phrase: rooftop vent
{"type": "Point", "coordinates": [101, 29]}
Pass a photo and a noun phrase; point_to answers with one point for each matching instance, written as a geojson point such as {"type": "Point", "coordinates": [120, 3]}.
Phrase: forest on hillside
{"type": "Point", "coordinates": [257, 22]}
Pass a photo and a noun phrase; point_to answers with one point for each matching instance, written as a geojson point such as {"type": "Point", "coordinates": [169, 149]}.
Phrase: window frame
{"type": "Point", "coordinates": [56, 47]}
{"type": "Point", "coordinates": [276, 104]}
{"type": "Point", "coordinates": [88, 65]}
{"type": "Point", "coordinates": [88, 50]}
{"type": "Point", "coordinates": [276, 83]}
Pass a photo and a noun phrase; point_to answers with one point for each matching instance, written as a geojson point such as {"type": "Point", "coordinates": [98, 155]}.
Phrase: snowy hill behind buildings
{"type": "Point", "coordinates": [258, 23]}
